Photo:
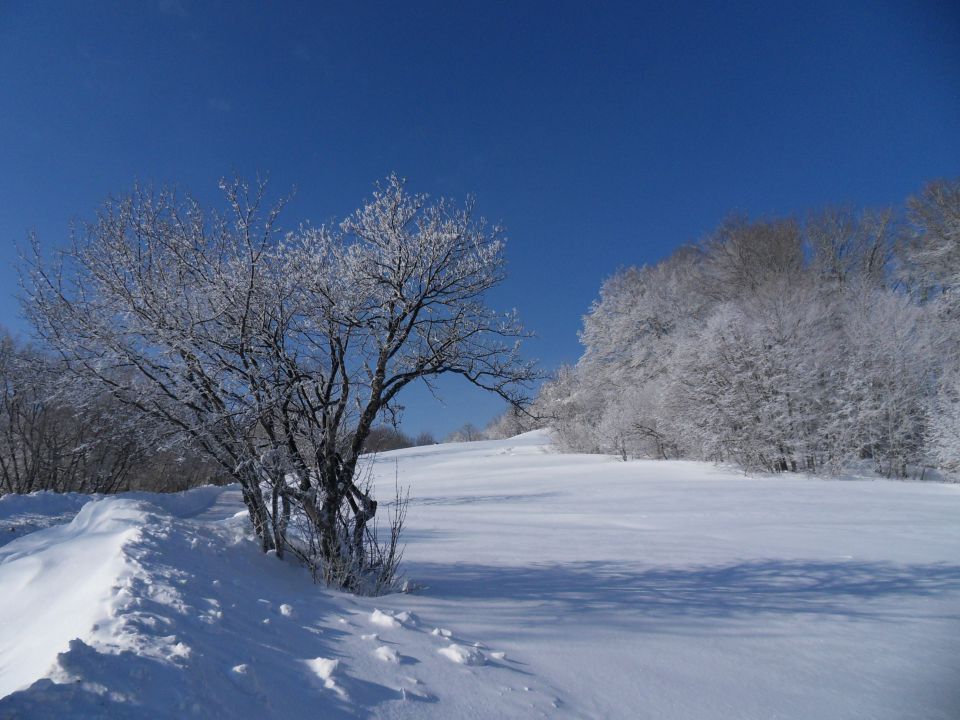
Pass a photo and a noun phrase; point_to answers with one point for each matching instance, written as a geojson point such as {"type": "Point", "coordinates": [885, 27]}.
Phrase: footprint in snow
{"type": "Point", "coordinates": [384, 619]}
{"type": "Point", "coordinates": [391, 620]}
{"type": "Point", "coordinates": [245, 678]}
{"type": "Point", "coordinates": [387, 654]}
{"type": "Point", "coordinates": [414, 689]}
{"type": "Point", "coordinates": [462, 654]}
{"type": "Point", "coordinates": [324, 669]}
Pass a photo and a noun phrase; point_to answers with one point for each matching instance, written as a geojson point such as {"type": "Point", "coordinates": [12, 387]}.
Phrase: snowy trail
{"type": "Point", "coordinates": [554, 586]}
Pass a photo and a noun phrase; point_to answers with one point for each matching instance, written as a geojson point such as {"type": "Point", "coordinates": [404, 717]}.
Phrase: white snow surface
{"type": "Point", "coordinates": [548, 585]}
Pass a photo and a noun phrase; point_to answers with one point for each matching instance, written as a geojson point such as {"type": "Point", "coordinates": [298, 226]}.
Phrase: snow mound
{"type": "Point", "coordinates": [58, 582]}
{"type": "Point", "coordinates": [462, 655]}
{"type": "Point", "coordinates": [382, 619]}
{"type": "Point", "coordinates": [286, 609]}
{"type": "Point", "coordinates": [22, 514]}
{"type": "Point", "coordinates": [324, 669]}
{"type": "Point", "coordinates": [387, 654]}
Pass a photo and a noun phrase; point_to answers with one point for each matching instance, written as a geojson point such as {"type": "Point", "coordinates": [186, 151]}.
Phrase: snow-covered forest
{"type": "Point", "coordinates": [781, 345]}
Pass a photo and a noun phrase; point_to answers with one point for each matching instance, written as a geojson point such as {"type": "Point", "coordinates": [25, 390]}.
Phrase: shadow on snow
{"type": "Point", "coordinates": [786, 587]}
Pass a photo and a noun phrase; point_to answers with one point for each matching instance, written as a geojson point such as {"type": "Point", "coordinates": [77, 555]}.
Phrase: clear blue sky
{"type": "Point", "coordinates": [601, 134]}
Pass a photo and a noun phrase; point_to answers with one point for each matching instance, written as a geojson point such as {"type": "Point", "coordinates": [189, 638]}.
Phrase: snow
{"type": "Point", "coordinates": [22, 514]}
{"type": "Point", "coordinates": [57, 583]}
{"type": "Point", "coordinates": [387, 654]}
{"type": "Point", "coordinates": [324, 669]}
{"type": "Point", "coordinates": [383, 619]}
{"type": "Point", "coordinates": [550, 585]}
{"type": "Point", "coordinates": [462, 655]}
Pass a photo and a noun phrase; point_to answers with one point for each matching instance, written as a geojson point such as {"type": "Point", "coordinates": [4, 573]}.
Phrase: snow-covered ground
{"type": "Point", "coordinates": [552, 586]}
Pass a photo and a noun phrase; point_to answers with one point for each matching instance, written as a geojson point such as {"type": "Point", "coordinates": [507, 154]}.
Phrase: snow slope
{"type": "Point", "coordinates": [552, 586]}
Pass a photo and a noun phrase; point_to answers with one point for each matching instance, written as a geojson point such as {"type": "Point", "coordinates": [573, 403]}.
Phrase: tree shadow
{"type": "Point", "coordinates": [742, 589]}
{"type": "Point", "coordinates": [477, 499]}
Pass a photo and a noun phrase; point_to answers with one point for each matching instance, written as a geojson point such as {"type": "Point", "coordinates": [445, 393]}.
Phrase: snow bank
{"type": "Point", "coordinates": [58, 582]}
{"type": "Point", "coordinates": [22, 514]}
{"type": "Point", "coordinates": [41, 504]}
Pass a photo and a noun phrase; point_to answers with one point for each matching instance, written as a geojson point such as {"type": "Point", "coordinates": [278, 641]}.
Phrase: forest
{"type": "Point", "coordinates": [776, 345]}
{"type": "Point", "coordinates": [780, 345]}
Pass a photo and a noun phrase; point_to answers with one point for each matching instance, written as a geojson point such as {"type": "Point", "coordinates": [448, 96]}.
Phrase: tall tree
{"type": "Point", "coordinates": [276, 352]}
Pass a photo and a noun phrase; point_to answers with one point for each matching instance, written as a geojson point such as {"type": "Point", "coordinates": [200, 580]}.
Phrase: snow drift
{"type": "Point", "coordinates": [550, 585]}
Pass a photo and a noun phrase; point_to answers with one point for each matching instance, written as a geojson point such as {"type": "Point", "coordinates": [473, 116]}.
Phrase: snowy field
{"type": "Point", "coordinates": [551, 585]}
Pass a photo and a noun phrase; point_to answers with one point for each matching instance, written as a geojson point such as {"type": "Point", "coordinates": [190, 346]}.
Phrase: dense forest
{"type": "Point", "coordinates": [780, 345]}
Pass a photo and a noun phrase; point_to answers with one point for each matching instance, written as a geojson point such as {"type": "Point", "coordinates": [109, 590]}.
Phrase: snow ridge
{"type": "Point", "coordinates": [189, 619]}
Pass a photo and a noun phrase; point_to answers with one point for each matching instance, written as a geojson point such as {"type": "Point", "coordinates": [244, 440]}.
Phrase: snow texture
{"type": "Point", "coordinates": [551, 585]}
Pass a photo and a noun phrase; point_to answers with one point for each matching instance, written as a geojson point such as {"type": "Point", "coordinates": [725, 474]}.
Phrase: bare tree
{"type": "Point", "coordinates": [276, 353]}
{"type": "Point", "coordinates": [384, 438]}
{"type": "Point", "coordinates": [424, 438]}
{"type": "Point", "coordinates": [49, 444]}
{"type": "Point", "coordinates": [509, 423]}
{"type": "Point", "coordinates": [468, 432]}
{"type": "Point", "coordinates": [846, 248]}
{"type": "Point", "coordinates": [742, 256]}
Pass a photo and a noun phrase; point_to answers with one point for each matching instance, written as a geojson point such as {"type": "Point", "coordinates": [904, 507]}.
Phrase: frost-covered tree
{"type": "Point", "coordinates": [889, 379]}
{"type": "Point", "coordinates": [468, 432]}
{"type": "Point", "coordinates": [277, 352]}
{"type": "Point", "coordinates": [931, 245]}
{"type": "Point", "coordinates": [779, 345]}
{"type": "Point", "coordinates": [930, 265]}
{"type": "Point", "coordinates": [750, 387]}
{"type": "Point", "coordinates": [512, 421]}
{"type": "Point", "coordinates": [53, 437]}
{"type": "Point", "coordinates": [615, 391]}
{"type": "Point", "coordinates": [564, 404]}
{"type": "Point", "coordinates": [944, 425]}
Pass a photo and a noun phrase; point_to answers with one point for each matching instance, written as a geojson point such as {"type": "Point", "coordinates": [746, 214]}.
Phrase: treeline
{"type": "Point", "coordinates": [509, 423]}
{"type": "Point", "coordinates": [780, 345]}
{"type": "Point", "coordinates": [50, 443]}
{"type": "Point", "coordinates": [386, 437]}
{"type": "Point", "coordinates": [53, 437]}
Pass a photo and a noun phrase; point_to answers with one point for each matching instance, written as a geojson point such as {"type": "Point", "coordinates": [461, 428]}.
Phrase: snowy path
{"type": "Point", "coordinates": [555, 586]}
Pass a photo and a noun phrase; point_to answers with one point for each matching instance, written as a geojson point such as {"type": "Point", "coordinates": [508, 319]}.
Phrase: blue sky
{"type": "Point", "coordinates": [600, 134]}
